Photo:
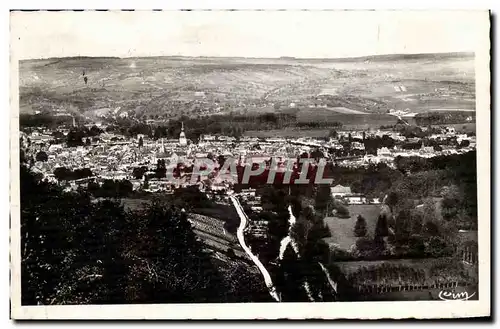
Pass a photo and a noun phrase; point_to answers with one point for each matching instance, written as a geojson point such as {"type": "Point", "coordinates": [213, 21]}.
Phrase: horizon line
{"type": "Point", "coordinates": [283, 57]}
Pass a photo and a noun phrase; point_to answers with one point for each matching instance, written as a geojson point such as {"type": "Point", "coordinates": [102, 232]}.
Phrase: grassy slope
{"type": "Point", "coordinates": [154, 85]}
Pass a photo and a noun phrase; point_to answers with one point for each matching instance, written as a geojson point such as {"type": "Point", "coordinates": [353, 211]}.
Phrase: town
{"type": "Point", "coordinates": [101, 155]}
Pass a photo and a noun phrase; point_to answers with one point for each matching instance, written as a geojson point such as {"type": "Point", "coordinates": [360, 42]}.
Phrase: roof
{"type": "Point", "coordinates": [341, 189]}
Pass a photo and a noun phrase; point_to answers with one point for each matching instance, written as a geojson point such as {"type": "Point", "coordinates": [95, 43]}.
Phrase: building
{"type": "Point", "coordinates": [355, 199]}
{"type": "Point", "coordinates": [182, 137]}
{"type": "Point", "coordinates": [208, 138]}
{"type": "Point", "coordinates": [340, 191]}
{"type": "Point", "coordinates": [383, 151]}
{"type": "Point", "coordinates": [357, 146]}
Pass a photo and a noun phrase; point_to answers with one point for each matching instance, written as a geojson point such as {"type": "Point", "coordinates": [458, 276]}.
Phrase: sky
{"type": "Point", "coordinates": [304, 34]}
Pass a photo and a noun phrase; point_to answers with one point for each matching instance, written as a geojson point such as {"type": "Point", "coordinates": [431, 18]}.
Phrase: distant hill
{"type": "Point", "coordinates": [174, 86]}
{"type": "Point", "coordinates": [399, 57]}
{"type": "Point", "coordinates": [384, 57]}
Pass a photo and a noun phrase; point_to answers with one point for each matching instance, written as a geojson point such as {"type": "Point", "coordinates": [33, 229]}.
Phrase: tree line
{"type": "Point", "coordinates": [225, 124]}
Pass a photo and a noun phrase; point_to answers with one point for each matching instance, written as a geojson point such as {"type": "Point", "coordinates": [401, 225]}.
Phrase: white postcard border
{"type": "Point", "coordinates": [339, 310]}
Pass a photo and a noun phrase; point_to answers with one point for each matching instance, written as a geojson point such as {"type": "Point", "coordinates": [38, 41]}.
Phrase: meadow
{"type": "Point", "coordinates": [342, 229]}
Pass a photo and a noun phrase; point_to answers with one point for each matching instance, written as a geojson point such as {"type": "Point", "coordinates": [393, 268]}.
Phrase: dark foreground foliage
{"type": "Point", "coordinates": [76, 250]}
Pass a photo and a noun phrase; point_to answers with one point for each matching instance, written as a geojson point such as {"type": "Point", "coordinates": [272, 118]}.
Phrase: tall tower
{"type": "Point", "coordinates": [182, 136]}
{"type": "Point", "coordinates": [162, 149]}
{"type": "Point", "coordinates": [74, 122]}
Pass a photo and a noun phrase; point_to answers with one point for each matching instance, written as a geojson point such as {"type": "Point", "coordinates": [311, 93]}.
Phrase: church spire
{"type": "Point", "coordinates": [182, 136]}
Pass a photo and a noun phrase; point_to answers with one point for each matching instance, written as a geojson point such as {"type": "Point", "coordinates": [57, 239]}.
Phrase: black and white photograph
{"type": "Point", "coordinates": [250, 164]}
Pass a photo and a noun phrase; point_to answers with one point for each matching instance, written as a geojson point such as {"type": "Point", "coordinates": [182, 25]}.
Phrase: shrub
{"type": "Point", "coordinates": [437, 247]}
{"type": "Point", "coordinates": [340, 209]}
{"type": "Point", "coordinates": [382, 228]}
{"type": "Point", "coordinates": [360, 227]}
{"type": "Point", "coordinates": [416, 246]}
{"type": "Point", "coordinates": [364, 247]}
{"type": "Point", "coordinates": [41, 156]}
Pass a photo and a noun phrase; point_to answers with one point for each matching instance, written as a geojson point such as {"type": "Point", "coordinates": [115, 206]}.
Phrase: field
{"type": "Point", "coordinates": [174, 86]}
{"type": "Point", "coordinates": [214, 235]}
{"type": "Point", "coordinates": [342, 229]}
{"type": "Point", "coordinates": [425, 264]}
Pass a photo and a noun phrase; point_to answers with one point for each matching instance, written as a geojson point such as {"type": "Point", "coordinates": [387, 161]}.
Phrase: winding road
{"type": "Point", "coordinates": [284, 243]}
{"type": "Point", "coordinates": [243, 223]}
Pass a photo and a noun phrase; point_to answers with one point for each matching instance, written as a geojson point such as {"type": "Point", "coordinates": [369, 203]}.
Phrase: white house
{"type": "Point", "coordinates": [383, 151]}
{"type": "Point", "coordinates": [340, 191]}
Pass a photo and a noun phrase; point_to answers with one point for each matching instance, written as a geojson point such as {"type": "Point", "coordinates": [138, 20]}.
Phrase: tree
{"type": "Point", "coordinates": [307, 235]}
{"type": "Point", "coordinates": [364, 246]}
{"type": "Point", "coordinates": [74, 138]}
{"type": "Point", "coordinates": [168, 260]}
{"type": "Point", "coordinates": [451, 203]}
{"type": "Point", "coordinates": [70, 246]}
{"type": "Point", "coordinates": [392, 199]}
{"type": "Point", "coordinates": [382, 228]}
{"type": "Point", "coordinates": [95, 131]}
{"type": "Point", "coordinates": [416, 246]}
{"type": "Point", "coordinates": [245, 285]}
{"type": "Point", "coordinates": [161, 169]}
{"type": "Point", "coordinates": [62, 173]}
{"type": "Point", "coordinates": [141, 142]}
{"type": "Point", "coordinates": [125, 188]}
{"type": "Point", "coordinates": [317, 154]}
{"type": "Point", "coordinates": [403, 220]}
{"type": "Point", "coordinates": [360, 227]}
{"type": "Point", "coordinates": [431, 228]}
{"type": "Point", "coordinates": [41, 156]}
{"type": "Point", "coordinates": [323, 198]}
{"type": "Point", "coordinates": [87, 141]}
{"type": "Point", "coordinates": [57, 134]}
{"type": "Point", "coordinates": [417, 222]}
{"type": "Point", "coordinates": [437, 247]}
{"type": "Point", "coordinates": [464, 143]}
{"type": "Point", "coordinates": [190, 197]}
{"type": "Point", "coordinates": [75, 251]}
{"type": "Point", "coordinates": [138, 172]}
